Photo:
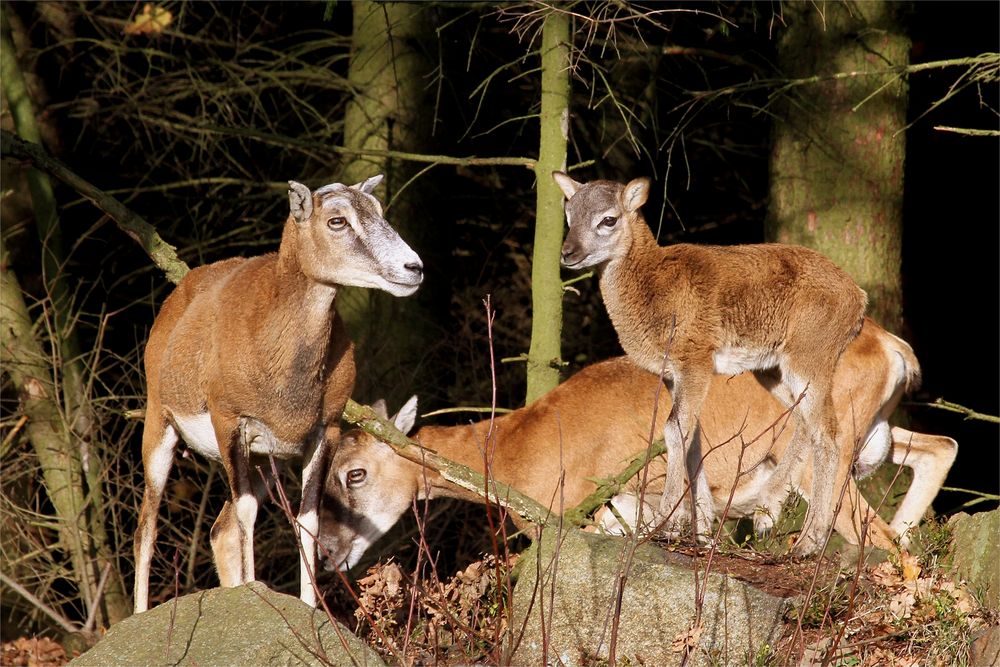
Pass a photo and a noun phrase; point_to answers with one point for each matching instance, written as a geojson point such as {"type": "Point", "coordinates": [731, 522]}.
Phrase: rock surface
{"type": "Point", "coordinates": [657, 610]}
{"type": "Point", "coordinates": [985, 649]}
{"type": "Point", "coordinates": [249, 625]}
{"type": "Point", "coordinates": [975, 550]}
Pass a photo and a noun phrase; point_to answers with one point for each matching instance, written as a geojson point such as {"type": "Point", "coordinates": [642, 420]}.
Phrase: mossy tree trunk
{"type": "Point", "coordinates": [388, 72]}
{"type": "Point", "coordinates": [544, 355]}
{"type": "Point", "coordinates": [838, 146]}
{"type": "Point", "coordinates": [837, 156]}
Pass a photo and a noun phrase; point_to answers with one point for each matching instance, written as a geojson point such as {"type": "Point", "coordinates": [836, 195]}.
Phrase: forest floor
{"type": "Point", "coordinates": [33, 652]}
{"type": "Point", "coordinates": [900, 612]}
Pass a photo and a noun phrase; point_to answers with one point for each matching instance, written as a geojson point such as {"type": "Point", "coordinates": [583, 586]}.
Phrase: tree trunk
{"type": "Point", "coordinates": [838, 149]}
{"type": "Point", "coordinates": [544, 355]}
{"type": "Point", "coordinates": [837, 157]}
{"type": "Point", "coordinates": [388, 73]}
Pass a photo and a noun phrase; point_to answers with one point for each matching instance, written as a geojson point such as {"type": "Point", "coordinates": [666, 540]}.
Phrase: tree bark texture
{"type": "Point", "coordinates": [43, 203]}
{"type": "Point", "coordinates": [388, 73]}
{"type": "Point", "coordinates": [544, 355]}
{"type": "Point", "coordinates": [838, 145]}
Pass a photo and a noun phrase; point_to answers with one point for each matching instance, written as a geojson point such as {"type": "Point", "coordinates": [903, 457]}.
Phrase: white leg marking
{"type": "Point", "coordinates": [673, 486]}
{"type": "Point", "coordinates": [312, 478]}
{"type": "Point", "coordinates": [157, 468]}
{"type": "Point", "coordinates": [874, 450]}
{"type": "Point", "coordinates": [246, 514]}
{"type": "Point", "coordinates": [703, 503]}
{"type": "Point", "coordinates": [156, 471]}
{"type": "Point", "coordinates": [930, 458]}
{"type": "Point", "coordinates": [308, 527]}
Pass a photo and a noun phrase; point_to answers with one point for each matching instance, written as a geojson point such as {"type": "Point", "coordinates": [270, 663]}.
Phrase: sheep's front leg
{"type": "Point", "coordinates": [313, 469]}
{"type": "Point", "coordinates": [232, 533]}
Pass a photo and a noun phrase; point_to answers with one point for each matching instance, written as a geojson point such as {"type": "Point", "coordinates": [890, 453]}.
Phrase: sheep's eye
{"type": "Point", "coordinates": [609, 221]}
{"type": "Point", "coordinates": [336, 224]}
{"type": "Point", "coordinates": [356, 476]}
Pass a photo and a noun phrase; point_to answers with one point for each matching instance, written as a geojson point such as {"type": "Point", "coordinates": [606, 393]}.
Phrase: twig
{"type": "Point", "coordinates": [447, 411]}
{"type": "Point", "coordinates": [278, 140]}
{"type": "Point", "coordinates": [513, 360]}
{"type": "Point", "coordinates": [984, 60]}
{"type": "Point", "coordinates": [41, 606]}
{"type": "Point", "coordinates": [88, 626]}
{"type": "Point", "coordinates": [576, 279]}
{"type": "Point", "coordinates": [13, 432]}
{"type": "Point", "coordinates": [969, 413]}
{"type": "Point", "coordinates": [845, 648]}
{"type": "Point", "coordinates": [983, 496]}
{"type": "Point", "coordinates": [972, 132]}
{"type": "Point", "coordinates": [162, 253]}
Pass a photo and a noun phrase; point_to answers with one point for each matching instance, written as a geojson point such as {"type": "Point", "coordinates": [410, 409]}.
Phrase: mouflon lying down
{"type": "Point", "coordinates": [783, 312]}
{"type": "Point", "coordinates": [593, 424]}
{"type": "Point", "coordinates": [257, 341]}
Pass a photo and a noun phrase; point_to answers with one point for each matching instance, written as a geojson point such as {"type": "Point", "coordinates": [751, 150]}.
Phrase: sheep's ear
{"type": "Point", "coordinates": [566, 184]}
{"type": "Point", "coordinates": [380, 410]}
{"type": "Point", "coordinates": [368, 185]}
{"type": "Point", "coordinates": [635, 194]}
{"type": "Point", "coordinates": [300, 201]}
{"type": "Point", "coordinates": [407, 416]}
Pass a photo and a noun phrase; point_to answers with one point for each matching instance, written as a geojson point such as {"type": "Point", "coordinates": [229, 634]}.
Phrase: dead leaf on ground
{"type": "Point", "coordinates": [687, 640]}
{"type": "Point", "coordinates": [33, 652]}
{"type": "Point", "coordinates": [910, 566]}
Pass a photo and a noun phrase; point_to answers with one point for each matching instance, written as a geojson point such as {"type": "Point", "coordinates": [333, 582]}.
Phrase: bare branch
{"type": "Point", "coordinates": [961, 409]}
{"type": "Point", "coordinates": [41, 606]}
{"type": "Point", "coordinates": [162, 253]}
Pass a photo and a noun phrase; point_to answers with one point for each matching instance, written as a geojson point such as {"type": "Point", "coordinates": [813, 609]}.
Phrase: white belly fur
{"type": "Point", "coordinates": [199, 434]}
{"type": "Point", "coordinates": [735, 360]}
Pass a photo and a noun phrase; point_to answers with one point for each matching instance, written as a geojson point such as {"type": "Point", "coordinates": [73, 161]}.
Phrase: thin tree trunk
{"type": "Point", "coordinates": [544, 355]}
{"type": "Point", "coordinates": [388, 73]}
{"type": "Point", "coordinates": [28, 365]}
{"type": "Point", "coordinates": [76, 457]}
{"type": "Point", "coordinates": [838, 150]}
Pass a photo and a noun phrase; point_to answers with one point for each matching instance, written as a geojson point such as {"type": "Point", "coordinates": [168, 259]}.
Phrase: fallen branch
{"type": "Point", "coordinates": [608, 488]}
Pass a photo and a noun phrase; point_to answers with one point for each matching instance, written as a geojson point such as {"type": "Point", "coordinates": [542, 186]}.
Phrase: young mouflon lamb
{"type": "Point", "coordinates": [784, 312]}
